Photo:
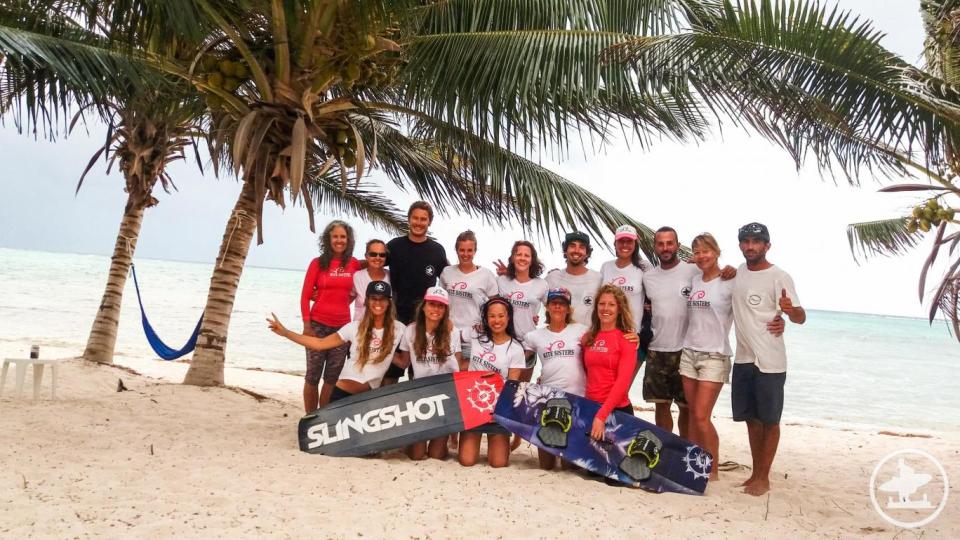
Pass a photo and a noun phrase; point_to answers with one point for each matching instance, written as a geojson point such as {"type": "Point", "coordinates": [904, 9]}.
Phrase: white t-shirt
{"type": "Point", "coordinates": [371, 373]}
{"type": "Point", "coordinates": [527, 299]}
{"type": "Point", "coordinates": [561, 357]}
{"type": "Point", "coordinates": [630, 281]}
{"type": "Point", "coordinates": [431, 363]}
{"type": "Point", "coordinates": [467, 293]}
{"type": "Point", "coordinates": [487, 356]}
{"type": "Point", "coordinates": [709, 316]}
{"type": "Point", "coordinates": [361, 278]}
{"type": "Point", "coordinates": [668, 291]}
{"type": "Point", "coordinates": [756, 301]}
{"type": "Point", "coordinates": [583, 291]}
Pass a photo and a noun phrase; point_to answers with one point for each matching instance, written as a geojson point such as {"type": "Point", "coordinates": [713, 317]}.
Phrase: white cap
{"type": "Point", "coordinates": [625, 231]}
{"type": "Point", "coordinates": [437, 294]}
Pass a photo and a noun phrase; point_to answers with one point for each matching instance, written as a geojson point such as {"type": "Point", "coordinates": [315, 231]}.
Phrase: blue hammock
{"type": "Point", "coordinates": [162, 349]}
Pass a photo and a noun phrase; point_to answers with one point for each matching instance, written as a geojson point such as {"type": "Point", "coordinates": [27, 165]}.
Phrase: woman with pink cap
{"type": "Point", "coordinates": [626, 271]}
{"type": "Point", "coordinates": [431, 345]}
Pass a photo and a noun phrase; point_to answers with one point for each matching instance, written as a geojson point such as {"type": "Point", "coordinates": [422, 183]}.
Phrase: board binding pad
{"type": "Point", "coordinates": [633, 448]}
{"type": "Point", "coordinates": [398, 415]}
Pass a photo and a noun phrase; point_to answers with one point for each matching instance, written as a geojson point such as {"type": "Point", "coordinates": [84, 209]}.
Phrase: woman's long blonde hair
{"type": "Point", "coordinates": [441, 337]}
{"type": "Point", "coordinates": [365, 334]}
{"type": "Point", "coordinates": [624, 315]}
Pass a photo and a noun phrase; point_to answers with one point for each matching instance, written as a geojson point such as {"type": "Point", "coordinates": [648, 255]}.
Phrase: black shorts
{"type": "Point", "coordinates": [490, 428]}
{"type": "Point", "coordinates": [338, 393]}
{"type": "Point", "coordinates": [626, 409]}
{"type": "Point", "coordinates": [756, 395]}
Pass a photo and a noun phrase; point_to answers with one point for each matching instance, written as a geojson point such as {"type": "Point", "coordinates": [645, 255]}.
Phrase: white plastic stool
{"type": "Point", "coordinates": [38, 363]}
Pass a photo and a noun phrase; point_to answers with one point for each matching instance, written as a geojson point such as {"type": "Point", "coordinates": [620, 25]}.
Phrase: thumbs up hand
{"type": "Point", "coordinates": [786, 304]}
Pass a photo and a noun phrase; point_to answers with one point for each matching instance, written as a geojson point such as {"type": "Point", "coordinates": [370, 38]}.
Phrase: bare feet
{"type": "Point", "coordinates": [757, 488]}
{"type": "Point", "coordinates": [515, 443]}
{"type": "Point", "coordinates": [747, 482]}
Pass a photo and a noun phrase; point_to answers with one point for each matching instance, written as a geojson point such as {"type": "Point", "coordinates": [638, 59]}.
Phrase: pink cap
{"type": "Point", "coordinates": [437, 294]}
{"type": "Point", "coordinates": [625, 231]}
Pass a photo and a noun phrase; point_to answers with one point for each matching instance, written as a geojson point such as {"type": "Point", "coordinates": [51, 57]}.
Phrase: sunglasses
{"type": "Point", "coordinates": [380, 254]}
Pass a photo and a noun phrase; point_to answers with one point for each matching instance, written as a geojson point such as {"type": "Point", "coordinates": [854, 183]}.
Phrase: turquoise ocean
{"type": "Point", "coordinates": [845, 369]}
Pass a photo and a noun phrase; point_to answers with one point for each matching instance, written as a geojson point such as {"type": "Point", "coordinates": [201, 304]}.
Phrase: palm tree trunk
{"type": "Point", "coordinates": [103, 334]}
{"type": "Point", "coordinates": [206, 367]}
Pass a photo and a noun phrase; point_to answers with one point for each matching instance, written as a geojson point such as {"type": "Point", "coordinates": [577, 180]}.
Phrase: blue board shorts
{"type": "Point", "coordinates": [756, 395]}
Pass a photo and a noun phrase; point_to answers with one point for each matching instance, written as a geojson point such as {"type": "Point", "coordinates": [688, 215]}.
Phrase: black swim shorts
{"type": "Point", "coordinates": [756, 395]}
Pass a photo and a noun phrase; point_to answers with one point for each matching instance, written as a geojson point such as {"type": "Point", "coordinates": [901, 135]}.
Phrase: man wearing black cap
{"type": "Point", "coordinates": [761, 293]}
{"type": "Point", "coordinates": [582, 282]}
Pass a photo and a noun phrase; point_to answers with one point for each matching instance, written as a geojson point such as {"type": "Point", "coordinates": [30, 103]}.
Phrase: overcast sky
{"type": "Point", "coordinates": [715, 186]}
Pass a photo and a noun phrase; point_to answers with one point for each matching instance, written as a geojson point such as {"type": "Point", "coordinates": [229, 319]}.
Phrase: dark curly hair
{"type": "Point", "coordinates": [536, 267]}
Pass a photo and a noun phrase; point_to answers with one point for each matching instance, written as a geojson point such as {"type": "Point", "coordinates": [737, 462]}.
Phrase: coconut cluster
{"type": "Point", "coordinates": [222, 74]}
{"type": "Point", "coordinates": [929, 215]}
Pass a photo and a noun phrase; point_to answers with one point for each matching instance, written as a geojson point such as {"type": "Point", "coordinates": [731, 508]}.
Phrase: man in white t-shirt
{"type": "Point", "coordinates": [582, 282]}
{"type": "Point", "coordinates": [761, 293]}
{"type": "Point", "coordinates": [667, 287]}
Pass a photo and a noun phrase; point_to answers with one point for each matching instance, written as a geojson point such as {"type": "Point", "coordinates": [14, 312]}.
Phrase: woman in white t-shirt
{"type": "Point", "coordinates": [526, 291]}
{"type": "Point", "coordinates": [373, 342]}
{"type": "Point", "coordinates": [495, 348]}
{"type": "Point", "coordinates": [559, 349]}
{"type": "Point", "coordinates": [467, 285]}
{"type": "Point", "coordinates": [376, 257]}
{"type": "Point", "coordinates": [431, 352]}
{"type": "Point", "coordinates": [705, 360]}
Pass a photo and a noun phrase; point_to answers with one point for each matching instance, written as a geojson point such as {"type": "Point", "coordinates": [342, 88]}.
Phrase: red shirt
{"type": "Point", "coordinates": [330, 292]}
{"type": "Point", "coordinates": [609, 363]}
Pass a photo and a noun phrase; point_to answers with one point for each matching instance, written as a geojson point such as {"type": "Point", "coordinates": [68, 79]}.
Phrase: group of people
{"type": "Point", "coordinates": [416, 314]}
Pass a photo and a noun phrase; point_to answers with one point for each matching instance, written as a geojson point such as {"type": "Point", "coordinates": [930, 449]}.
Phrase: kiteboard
{"type": "Point", "coordinates": [398, 415]}
{"type": "Point", "coordinates": [633, 452]}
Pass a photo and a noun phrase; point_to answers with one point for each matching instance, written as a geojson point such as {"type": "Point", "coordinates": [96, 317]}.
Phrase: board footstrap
{"type": "Point", "coordinates": [556, 419]}
{"type": "Point", "coordinates": [642, 454]}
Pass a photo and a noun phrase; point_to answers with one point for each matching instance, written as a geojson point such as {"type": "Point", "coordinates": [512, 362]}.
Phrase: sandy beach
{"type": "Point", "coordinates": [163, 459]}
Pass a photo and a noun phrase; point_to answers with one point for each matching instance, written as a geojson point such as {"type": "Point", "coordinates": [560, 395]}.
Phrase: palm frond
{"type": "Point", "coordinates": [364, 200]}
{"type": "Point", "coordinates": [822, 67]}
{"type": "Point", "coordinates": [883, 237]}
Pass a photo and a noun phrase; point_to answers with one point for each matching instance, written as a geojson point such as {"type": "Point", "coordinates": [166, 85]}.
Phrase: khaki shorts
{"type": "Point", "coordinates": [704, 366]}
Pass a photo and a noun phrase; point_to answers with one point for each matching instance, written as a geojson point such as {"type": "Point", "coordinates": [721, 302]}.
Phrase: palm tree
{"type": "Point", "coordinates": [50, 68]}
{"type": "Point", "coordinates": [936, 213]}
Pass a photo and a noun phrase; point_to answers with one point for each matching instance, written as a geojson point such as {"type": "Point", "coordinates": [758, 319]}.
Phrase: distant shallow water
{"type": "Point", "coordinates": [845, 369]}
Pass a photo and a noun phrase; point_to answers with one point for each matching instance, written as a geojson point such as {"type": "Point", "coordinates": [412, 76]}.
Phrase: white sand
{"type": "Point", "coordinates": [164, 459]}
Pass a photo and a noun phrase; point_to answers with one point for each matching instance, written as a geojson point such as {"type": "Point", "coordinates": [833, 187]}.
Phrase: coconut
{"type": "Point", "coordinates": [241, 71]}
{"type": "Point", "coordinates": [228, 68]}
{"type": "Point", "coordinates": [230, 84]}
{"type": "Point", "coordinates": [215, 80]}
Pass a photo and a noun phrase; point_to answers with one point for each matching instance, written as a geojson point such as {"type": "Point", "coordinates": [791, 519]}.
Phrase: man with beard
{"type": "Point", "coordinates": [576, 277]}
{"type": "Point", "coordinates": [761, 293]}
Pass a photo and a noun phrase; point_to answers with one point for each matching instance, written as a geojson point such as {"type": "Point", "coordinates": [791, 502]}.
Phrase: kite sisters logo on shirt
{"type": "Point", "coordinates": [621, 282]}
{"type": "Point", "coordinates": [487, 360]}
{"type": "Point", "coordinates": [600, 346]}
{"type": "Point", "coordinates": [516, 298]}
{"type": "Point", "coordinates": [557, 348]}
{"type": "Point", "coordinates": [339, 273]}
{"type": "Point", "coordinates": [696, 300]}
{"type": "Point", "coordinates": [458, 288]}
{"type": "Point", "coordinates": [375, 344]}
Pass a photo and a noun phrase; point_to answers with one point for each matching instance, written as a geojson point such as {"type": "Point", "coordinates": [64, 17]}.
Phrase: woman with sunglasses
{"type": "Point", "coordinates": [495, 348]}
{"type": "Point", "coordinates": [375, 256]}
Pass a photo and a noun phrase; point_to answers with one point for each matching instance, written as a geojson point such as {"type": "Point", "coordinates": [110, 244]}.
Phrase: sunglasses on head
{"type": "Point", "coordinates": [380, 254]}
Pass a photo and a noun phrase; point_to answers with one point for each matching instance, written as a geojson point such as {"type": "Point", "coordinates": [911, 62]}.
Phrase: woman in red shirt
{"type": "Point", "coordinates": [609, 357]}
{"type": "Point", "coordinates": [327, 286]}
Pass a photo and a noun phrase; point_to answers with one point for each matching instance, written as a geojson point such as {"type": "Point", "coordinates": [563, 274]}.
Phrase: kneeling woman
{"type": "Point", "coordinates": [609, 357]}
{"type": "Point", "coordinates": [373, 340]}
{"type": "Point", "coordinates": [494, 348]}
{"type": "Point", "coordinates": [431, 345]}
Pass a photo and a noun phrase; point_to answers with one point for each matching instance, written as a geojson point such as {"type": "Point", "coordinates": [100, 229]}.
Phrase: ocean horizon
{"type": "Point", "coordinates": [850, 370]}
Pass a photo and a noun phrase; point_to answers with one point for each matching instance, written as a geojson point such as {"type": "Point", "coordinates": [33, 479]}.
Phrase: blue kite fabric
{"type": "Point", "coordinates": [163, 350]}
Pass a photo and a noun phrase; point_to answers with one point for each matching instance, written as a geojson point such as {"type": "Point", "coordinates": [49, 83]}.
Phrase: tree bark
{"type": "Point", "coordinates": [103, 334]}
{"type": "Point", "coordinates": [206, 366]}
